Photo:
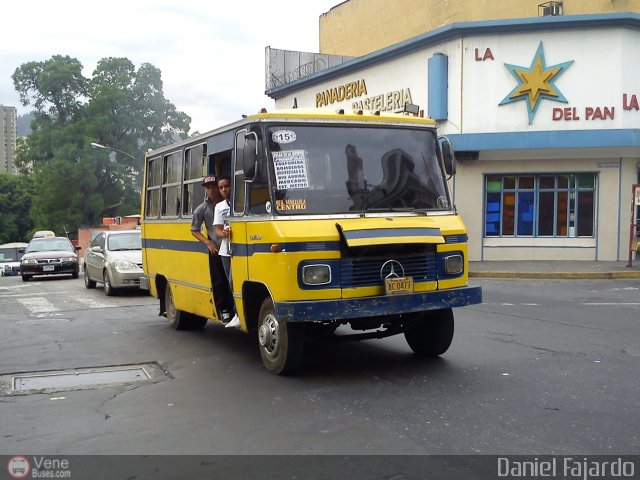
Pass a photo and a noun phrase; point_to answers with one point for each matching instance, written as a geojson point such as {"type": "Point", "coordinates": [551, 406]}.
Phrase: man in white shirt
{"type": "Point", "coordinates": [223, 232]}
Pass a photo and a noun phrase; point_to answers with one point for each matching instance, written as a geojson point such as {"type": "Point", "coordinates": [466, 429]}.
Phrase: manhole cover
{"type": "Point", "coordinates": [80, 378]}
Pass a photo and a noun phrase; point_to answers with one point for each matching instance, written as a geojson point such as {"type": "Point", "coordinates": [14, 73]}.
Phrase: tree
{"type": "Point", "coordinates": [16, 195]}
{"type": "Point", "coordinates": [118, 107]}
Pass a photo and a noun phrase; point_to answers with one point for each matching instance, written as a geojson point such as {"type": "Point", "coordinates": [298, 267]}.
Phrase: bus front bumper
{"type": "Point", "coordinates": [345, 309]}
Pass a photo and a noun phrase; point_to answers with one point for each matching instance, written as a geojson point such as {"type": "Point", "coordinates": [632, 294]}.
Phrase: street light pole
{"type": "Point", "coordinates": [97, 145]}
{"type": "Point", "coordinates": [131, 173]}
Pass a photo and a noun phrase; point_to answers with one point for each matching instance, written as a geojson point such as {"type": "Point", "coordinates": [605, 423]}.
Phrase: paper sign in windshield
{"type": "Point", "coordinates": [291, 169]}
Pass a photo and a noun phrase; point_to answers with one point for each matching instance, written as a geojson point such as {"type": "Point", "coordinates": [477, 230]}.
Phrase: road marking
{"type": "Point", "coordinates": [38, 305]}
{"type": "Point", "coordinates": [606, 304]}
{"type": "Point", "coordinates": [513, 304]}
{"type": "Point", "coordinates": [91, 303]}
{"type": "Point", "coordinates": [599, 304]}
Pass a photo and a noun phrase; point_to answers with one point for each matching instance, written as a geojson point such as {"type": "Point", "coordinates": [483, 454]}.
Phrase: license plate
{"type": "Point", "coordinates": [48, 268]}
{"type": "Point", "coordinates": [393, 286]}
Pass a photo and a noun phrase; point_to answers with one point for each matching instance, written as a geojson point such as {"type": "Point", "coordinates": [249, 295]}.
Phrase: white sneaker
{"type": "Point", "coordinates": [233, 323]}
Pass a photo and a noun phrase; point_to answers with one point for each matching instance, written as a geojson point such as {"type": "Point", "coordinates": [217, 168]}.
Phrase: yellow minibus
{"type": "Point", "coordinates": [338, 219]}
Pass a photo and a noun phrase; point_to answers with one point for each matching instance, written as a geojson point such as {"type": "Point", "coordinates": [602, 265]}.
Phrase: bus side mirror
{"type": "Point", "coordinates": [447, 156]}
{"type": "Point", "coordinates": [250, 156]}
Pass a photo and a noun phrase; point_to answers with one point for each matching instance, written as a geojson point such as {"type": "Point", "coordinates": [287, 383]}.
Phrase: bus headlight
{"type": "Point", "coordinates": [316, 274]}
{"type": "Point", "coordinates": [453, 264]}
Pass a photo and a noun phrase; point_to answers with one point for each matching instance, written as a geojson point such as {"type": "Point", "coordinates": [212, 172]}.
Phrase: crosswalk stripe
{"type": "Point", "coordinates": [38, 305]}
{"type": "Point", "coordinates": [91, 303]}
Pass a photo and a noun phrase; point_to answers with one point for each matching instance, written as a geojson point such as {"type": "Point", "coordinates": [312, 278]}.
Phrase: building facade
{"type": "Point", "coordinates": [543, 112]}
{"type": "Point", "coordinates": [359, 27]}
{"type": "Point", "coordinates": [8, 120]}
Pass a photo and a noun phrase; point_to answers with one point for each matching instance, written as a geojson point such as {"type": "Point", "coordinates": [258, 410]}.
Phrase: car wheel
{"type": "Point", "coordinates": [75, 274]}
{"type": "Point", "coordinates": [88, 283]}
{"type": "Point", "coordinates": [429, 334]}
{"type": "Point", "coordinates": [26, 278]}
{"type": "Point", "coordinates": [108, 288]}
{"type": "Point", "coordinates": [281, 344]}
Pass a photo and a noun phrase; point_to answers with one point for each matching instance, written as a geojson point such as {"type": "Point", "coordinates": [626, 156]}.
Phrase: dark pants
{"type": "Point", "coordinates": [221, 291]}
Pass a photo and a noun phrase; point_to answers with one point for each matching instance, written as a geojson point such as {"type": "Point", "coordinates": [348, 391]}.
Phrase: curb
{"type": "Point", "coordinates": [557, 275]}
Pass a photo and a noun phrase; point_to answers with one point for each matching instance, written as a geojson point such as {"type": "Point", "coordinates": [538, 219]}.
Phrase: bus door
{"type": "Point", "coordinates": [243, 166]}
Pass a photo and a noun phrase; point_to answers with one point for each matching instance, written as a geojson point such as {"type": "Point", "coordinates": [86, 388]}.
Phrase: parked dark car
{"type": "Point", "coordinates": [47, 256]}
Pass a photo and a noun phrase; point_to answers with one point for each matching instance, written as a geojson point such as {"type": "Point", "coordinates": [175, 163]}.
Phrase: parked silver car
{"type": "Point", "coordinates": [114, 258]}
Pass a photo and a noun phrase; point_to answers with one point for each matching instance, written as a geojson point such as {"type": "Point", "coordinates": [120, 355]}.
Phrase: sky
{"type": "Point", "coordinates": [211, 53]}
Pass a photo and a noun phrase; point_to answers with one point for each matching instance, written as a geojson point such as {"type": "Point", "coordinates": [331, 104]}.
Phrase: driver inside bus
{"type": "Point", "coordinates": [204, 214]}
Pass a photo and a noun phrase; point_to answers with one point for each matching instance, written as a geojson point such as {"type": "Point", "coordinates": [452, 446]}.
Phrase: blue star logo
{"type": "Point", "coordinates": [536, 83]}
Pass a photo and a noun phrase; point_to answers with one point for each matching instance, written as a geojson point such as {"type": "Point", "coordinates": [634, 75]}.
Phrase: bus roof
{"type": "Point", "coordinates": [14, 245]}
{"type": "Point", "coordinates": [313, 114]}
{"type": "Point", "coordinates": [341, 114]}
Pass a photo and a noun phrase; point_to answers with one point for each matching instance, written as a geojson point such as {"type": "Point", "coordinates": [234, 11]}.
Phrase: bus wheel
{"type": "Point", "coordinates": [281, 344]}
{"type": "Point", "coordinates": [177, 318]}
{"type": "Point", "coordinates": [429, 334]}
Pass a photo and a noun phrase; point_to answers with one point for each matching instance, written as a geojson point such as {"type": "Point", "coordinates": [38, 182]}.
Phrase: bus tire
{"type": "Point", "coordinates": [178, 319]}
{"type": "Point", "coordinates": [429, 334]}
{"type": "Point", "coordinates": [281, 344]}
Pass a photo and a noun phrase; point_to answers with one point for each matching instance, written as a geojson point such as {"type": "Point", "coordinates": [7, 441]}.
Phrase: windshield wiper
{"type": "Point", "coordinates": [391, 209]}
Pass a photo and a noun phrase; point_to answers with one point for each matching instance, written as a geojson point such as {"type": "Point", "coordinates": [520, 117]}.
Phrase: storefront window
{"type": "Point", "coordinates": [540, 206]}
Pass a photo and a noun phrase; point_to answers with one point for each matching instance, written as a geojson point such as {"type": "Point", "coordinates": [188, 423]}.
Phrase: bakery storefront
{"type": "Point", "coordinates": [544, 115]}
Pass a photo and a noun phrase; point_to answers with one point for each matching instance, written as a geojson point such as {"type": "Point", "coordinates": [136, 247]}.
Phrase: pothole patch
{"type": "Point", "coordinates": [25, 383]}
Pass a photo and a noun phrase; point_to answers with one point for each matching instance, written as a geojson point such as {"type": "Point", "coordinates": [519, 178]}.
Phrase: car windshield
{"type": "Point", "coordinates": [8, 255]}
{"type": "Point", "coordinates": [49, 244]}
{"type": "Point", "coordinates": [124, 241]}
{"type": "Point", "coordinates": [346, 169]}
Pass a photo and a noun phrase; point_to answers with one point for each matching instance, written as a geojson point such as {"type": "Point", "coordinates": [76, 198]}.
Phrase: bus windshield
{"type": "Point", "coordinates": [343, 169]}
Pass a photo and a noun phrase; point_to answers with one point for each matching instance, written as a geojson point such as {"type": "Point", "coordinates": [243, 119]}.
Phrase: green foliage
{"type": "Point", "coordinates": [118, 107]}
{"type": "Point", "coordinates": [16, 195]}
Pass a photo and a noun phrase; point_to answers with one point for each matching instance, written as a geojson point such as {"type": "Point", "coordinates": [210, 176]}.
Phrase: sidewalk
{"type": "Point", "coordinates": [554, 269]}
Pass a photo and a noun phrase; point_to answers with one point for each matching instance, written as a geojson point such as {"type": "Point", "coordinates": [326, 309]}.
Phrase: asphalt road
{"type": "Point", "coordinates": [542, 367]}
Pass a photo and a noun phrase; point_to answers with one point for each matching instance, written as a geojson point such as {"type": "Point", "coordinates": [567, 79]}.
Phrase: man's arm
{"type": "Point", "coordinates": [210, 244]}
{"type": "Point", "coordinates": [196, 225]}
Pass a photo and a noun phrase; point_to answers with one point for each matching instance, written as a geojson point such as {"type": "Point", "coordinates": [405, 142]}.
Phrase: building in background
{"type": "Point", "coordinates": [8, 119]}
{"type": "Point", "coordinates": [357, 27]}
{"type": "Point", "coordinates": [540, 101]}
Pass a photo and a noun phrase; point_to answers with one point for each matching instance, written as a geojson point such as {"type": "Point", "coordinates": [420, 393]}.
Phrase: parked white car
{"type": "Point", "coordinates": [114, 258]}
{"type": "Point", "coordinates": [10, 256]}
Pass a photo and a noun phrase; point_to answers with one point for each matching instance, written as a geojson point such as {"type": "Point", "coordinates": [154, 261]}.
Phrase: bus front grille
{"type": "Point", "coordinates": [367, 272]}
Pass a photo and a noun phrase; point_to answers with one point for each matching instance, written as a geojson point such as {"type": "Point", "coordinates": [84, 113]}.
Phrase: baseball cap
{"type": "Point", "coordinates": [209, 179]}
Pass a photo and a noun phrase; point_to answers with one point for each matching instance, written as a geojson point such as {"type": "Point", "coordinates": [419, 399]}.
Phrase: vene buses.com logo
{"type": "Point", "coordinates": [18, 467]}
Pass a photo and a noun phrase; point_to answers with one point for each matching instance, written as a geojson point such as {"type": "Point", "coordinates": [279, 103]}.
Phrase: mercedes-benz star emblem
{"type": "Point", "coordinates": [391, 269]}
